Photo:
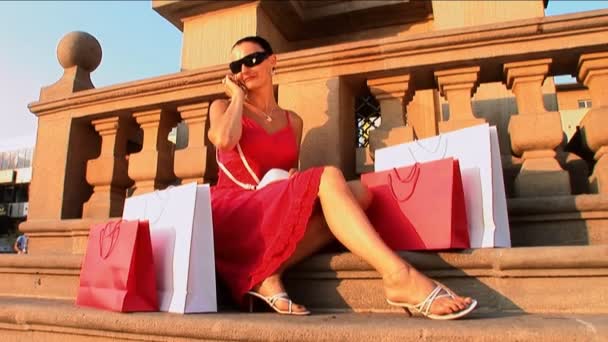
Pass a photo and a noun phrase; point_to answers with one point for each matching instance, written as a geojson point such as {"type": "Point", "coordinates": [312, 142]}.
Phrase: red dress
{"type": "Point", "coordinates": [256, 231]}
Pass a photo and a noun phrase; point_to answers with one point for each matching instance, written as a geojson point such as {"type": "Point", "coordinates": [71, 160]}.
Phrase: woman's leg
{"type": "Point", "coordinates": [317, 235]}
{"type": "Point", "coordinates": [351, 227]}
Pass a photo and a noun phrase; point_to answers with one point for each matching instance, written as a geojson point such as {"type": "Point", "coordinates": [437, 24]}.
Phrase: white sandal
{"type": "Point", "coordinates": [424, 307]}
{"type": "Point", "coordinates": [272, 300]}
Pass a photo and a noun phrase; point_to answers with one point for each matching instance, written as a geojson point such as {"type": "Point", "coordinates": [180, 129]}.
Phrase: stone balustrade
{"type": "Point", "coordinates": [95, 144]}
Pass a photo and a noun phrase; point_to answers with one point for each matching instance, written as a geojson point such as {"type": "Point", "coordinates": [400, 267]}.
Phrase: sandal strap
{"type": "Point", "coordinates": [425, 306]}
{"type": "Point", "coordinates": [281, 296]}
{"type": "Point", "coordinates": [274, 298]}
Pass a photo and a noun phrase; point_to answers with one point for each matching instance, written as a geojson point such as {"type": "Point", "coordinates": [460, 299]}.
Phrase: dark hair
{"type": "Point", "coordinates": [263, 43]}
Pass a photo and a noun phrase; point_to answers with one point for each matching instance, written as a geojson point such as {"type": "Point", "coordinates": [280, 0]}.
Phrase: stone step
{"type": "Point", "coordinates": [559, 220]}
{"type": "Point", "coordinates": [571, 279]}
{"type": "Point", "coordinates": [566, 279]}
{"type": "Point", "coordinates": [26, 319]}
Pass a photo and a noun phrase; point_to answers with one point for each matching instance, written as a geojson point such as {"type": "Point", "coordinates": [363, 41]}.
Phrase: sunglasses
{"type": "Point", "coordinates": [250, 61]}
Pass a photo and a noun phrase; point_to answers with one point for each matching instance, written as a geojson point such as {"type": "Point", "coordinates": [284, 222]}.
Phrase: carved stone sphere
{"type": "Point", "coordinates": [81, 49]}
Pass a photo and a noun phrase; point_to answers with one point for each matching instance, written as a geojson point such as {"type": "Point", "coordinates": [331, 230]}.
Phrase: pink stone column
{"type": "Point", "coordinates": [593, 72]}
{"type": "Point", "coordinates": [108, 173]}
{"type": "Point", "coordinates": [535, 132]}
{"type": "Point", "coordinates": [152, 167]}
{"type": "Point", "coordinates": [458, 86]}
{"type": "Point", "coordinates": [393, 93]}
{"type": "Point", "coordinates": [191, 162]}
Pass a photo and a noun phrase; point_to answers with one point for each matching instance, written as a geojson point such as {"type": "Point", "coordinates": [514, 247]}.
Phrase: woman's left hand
{"type": "Point", "coordinates": [292, 172]}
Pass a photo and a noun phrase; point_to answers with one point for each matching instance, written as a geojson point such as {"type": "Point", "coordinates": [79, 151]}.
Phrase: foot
{"type": "Point", "coordinates": [273, 285]}
{"type": "Point", "coordinates": [408, 285]}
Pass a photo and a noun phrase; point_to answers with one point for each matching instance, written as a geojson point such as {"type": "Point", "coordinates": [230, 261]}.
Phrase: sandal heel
{"type": "Point", "coordinates": [250, 304]}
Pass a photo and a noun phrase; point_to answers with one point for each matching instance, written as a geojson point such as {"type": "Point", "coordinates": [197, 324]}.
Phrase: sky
{"type": "Point", "coordinates": [137, 43]}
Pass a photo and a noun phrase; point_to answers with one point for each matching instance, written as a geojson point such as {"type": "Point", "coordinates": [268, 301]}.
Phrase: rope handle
{"type": "Point", "coordinates": [163, 205]}
{"type": "Point", "coordinates": [442, 138]}
{"type": "Point", "coordinates": [411, 180]}
{"type": "Point", "coordinates": [113, 235]}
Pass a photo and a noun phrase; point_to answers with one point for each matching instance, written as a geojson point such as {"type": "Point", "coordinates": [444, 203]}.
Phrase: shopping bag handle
{"type": "Point", "coordinates": [164, 202]}
{"type": "Point", "coordinates": [113, 235]}
{"type": "Point", "coordinates": [411, 180]}
{"type": "Point", "coordinates": [433, 152]}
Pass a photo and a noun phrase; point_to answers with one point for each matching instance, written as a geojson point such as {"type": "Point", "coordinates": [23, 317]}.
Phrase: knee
{"type": "Point", "coordinates": [332, 174]}
{"type": "Point", "coordinates": [332, 179]}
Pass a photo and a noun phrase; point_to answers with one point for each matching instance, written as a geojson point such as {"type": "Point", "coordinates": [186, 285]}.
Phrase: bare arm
{"type": "Point", "coordinates": [225, 130]}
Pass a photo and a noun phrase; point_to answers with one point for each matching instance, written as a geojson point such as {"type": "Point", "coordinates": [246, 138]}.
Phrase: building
{"type": "Point", "coordinates": [15, 177]}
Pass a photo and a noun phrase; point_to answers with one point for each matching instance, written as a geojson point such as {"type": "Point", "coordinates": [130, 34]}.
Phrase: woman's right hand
{"type": "Point", "coordinates": [233, 87]}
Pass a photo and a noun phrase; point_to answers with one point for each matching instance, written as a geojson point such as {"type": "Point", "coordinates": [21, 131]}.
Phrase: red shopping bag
{"type": "Point", "coordinates": [419, 207]}
{"type": "Point", "coordinates": [118, 269]}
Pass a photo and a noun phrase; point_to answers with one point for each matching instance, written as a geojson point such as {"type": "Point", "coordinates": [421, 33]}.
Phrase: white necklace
{"type": "Point", "coordinates": [266, 114]}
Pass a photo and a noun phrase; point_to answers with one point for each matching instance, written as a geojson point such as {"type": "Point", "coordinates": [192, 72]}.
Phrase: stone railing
{"type": "Point", "coordinates": [95, 145]}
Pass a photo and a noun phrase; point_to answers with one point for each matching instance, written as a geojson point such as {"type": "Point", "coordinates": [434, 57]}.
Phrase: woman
{"type": "Point", "coordinates": [261, 233]}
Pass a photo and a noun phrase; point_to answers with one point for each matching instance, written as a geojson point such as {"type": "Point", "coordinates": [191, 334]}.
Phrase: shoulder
{"type": "Point", "coordinates": [295, 118]}
{"type": "Point", "coordinates": [218, 106]}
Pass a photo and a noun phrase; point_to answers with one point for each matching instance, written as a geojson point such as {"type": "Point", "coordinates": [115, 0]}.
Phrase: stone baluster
{"type": "Point", "coordinates": [152, 167]}
{"type": "Point", "coordinates": [593, 73]}
{"type": "Point", "coordinates": [458, 86]}
{"type": "Point", "coordinates": [393, 93]}
{"type": "Point", "coordinates": [535, 132]}
{"type": "Point", "coordinates": [108, 173]}
{"type": "Point", "coordinates": [191, 162]}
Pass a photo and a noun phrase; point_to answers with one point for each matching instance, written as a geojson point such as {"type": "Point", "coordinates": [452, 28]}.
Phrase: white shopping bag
{"type": "Point", "coordinates": [474, 147]}
{"type": "Point", "coordinates": [181, 229]}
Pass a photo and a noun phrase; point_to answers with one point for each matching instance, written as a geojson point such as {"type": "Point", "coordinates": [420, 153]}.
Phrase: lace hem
{"type": "Point", "coordinates": [291, 236]}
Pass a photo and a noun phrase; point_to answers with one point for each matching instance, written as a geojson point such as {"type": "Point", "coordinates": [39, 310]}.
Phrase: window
{"type": "Point", "coordinates": [21, 158]}
{"type": "Point", "coordinates": [21, 194]}
{"type": "Point", "coordinates": [3, 160]}
{"type": "Point", "coordinates": [28, 157]}
{"type": "Point", "coordinates": [584, 103]}
{"type": "Point", "coordinates": [12, 159]}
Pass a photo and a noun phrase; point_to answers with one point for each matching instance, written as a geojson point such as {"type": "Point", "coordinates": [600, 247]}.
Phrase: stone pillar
{"type": "Point", "coordinates": [191, 162]}
{"type": "Point", "coordinates": [393, 93]}
{"type": "Point", "coordinates": [108, 173]}
{"type": "Point", "coordinates": [535, 132]}
{"type": "Point", "coordinates": [152, 167]}
{"type": "Point", "coordinates": [593, 73]}
{"type": "Point", "coordinates": [327, 107]}
{"type": "Point", "coordinates": [64, 144]}
{"type": "Point", "coordinates": [458, 86]}
{"type": "Point", "coordinates": [222, 28]}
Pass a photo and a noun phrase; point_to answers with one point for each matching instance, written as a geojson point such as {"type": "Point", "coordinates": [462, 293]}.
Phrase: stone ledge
{"type": "Point", "coordinates": [531, 279]}
{"type": "Point", "coordinates": [559, 220]}
{"type": "Point", "coordinates": [50, 319]}
{"type": "Point", "coordinates": [377, 55]}
{"type": "Point", "coordinates": [489, 259]}
{"type": "Point", "coordinates": [581, 204]}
